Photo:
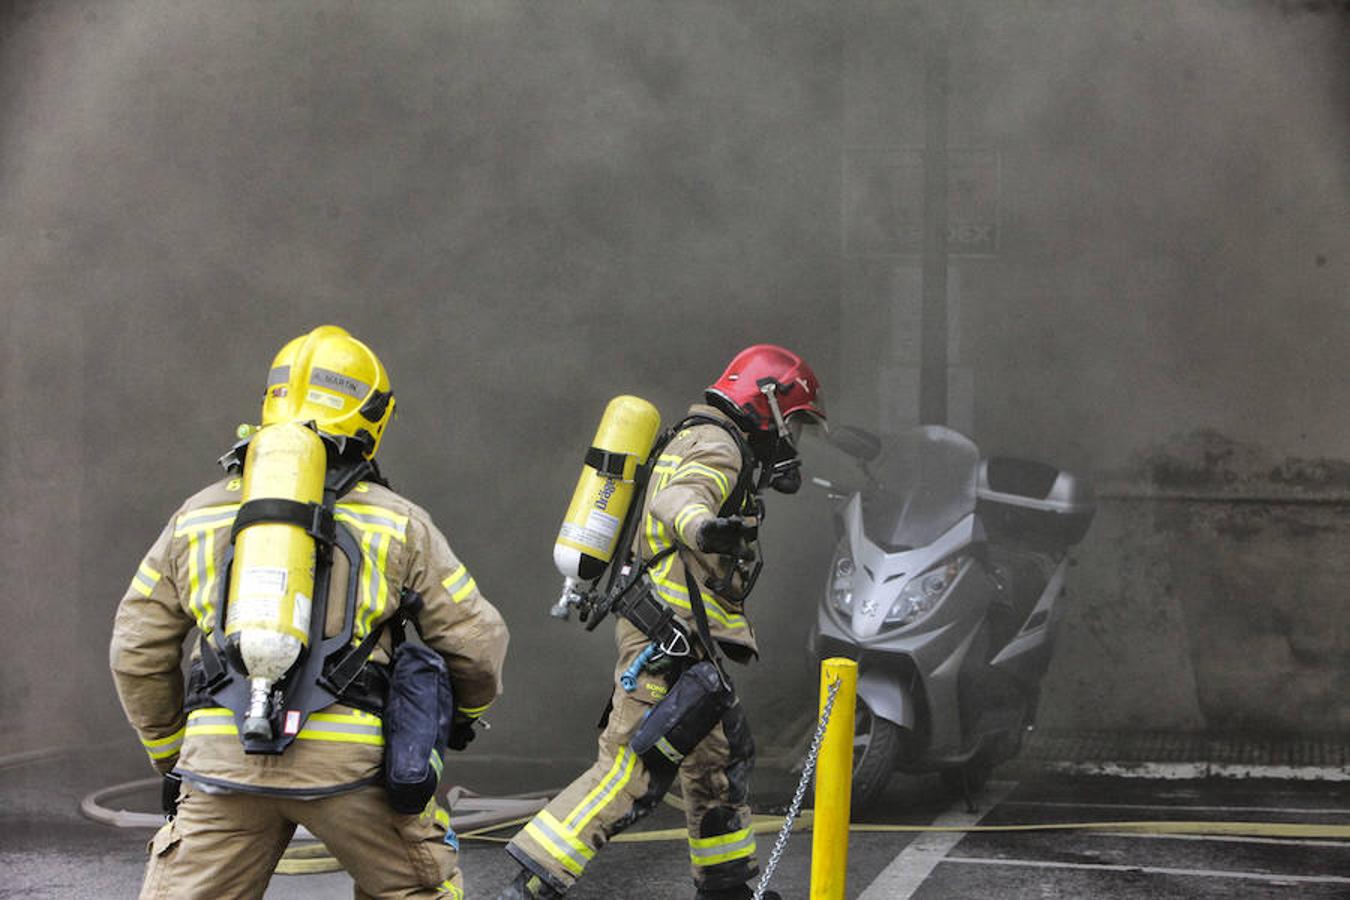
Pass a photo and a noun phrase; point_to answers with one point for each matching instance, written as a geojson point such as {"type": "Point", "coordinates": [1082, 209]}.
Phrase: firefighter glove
{"type": "Point", "coordinates": [727, 535]}
{"type": "Point", "coordinates": [168, 794]}
{"type": "Point", "coordinates": [462, 732]}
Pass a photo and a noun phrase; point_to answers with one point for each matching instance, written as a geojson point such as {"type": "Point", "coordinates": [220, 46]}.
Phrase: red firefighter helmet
{"type": "Point", "coordinates": [764, 386]}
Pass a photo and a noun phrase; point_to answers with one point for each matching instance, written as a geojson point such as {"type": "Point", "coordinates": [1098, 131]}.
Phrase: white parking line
{"type": "Point", "coordinates": [1292, 811]}
{"type": "Point", "coordinates": [1191, 771]}
{"type": "Point", "coordinates": [1219, 838]}
{"type": "Point", "coordinates": [902, 877]}
{"type": "Point", "coordinates": [1150, 870]}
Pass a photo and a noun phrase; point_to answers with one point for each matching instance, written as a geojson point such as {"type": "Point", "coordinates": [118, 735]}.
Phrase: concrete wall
{"type": "Point", "coordinates": [1168, 312]}
{"type": "Point", "coordinates": [527, 208]}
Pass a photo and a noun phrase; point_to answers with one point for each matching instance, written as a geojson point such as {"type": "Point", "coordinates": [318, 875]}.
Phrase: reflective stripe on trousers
{"type": "Point", "coordinates": [711, 851]}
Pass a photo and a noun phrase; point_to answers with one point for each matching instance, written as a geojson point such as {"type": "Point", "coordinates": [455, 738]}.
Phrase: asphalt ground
{"type": "Point", "coordinates": [48, 849]}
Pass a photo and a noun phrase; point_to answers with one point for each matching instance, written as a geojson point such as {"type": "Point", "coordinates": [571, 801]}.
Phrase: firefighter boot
{"type": "Point", "coordinates": [528, 886]}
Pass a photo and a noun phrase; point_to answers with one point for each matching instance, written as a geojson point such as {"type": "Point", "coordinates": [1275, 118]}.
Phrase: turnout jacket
{"type": "Point", "coordinates": [693, 478]}
{"type": "Point", "coordinates": [177, 586]}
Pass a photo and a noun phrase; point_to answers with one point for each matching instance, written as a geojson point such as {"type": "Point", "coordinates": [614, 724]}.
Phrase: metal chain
{"type": "Point", "coordinates": [786, 831]}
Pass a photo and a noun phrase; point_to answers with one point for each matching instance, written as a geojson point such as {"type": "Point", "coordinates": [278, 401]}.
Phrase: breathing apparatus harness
{"type": "Point", "coordinates": [330, 669]}
{"type": "Point", "coordinates": [626, 592]}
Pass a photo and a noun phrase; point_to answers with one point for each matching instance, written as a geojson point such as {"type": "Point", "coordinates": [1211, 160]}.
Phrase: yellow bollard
{"type": "Point", "coordinates": [834, 782]}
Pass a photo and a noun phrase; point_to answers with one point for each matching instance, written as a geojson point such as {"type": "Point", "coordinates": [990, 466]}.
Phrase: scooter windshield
{"type": "Point", "coordinates": [925, 481]}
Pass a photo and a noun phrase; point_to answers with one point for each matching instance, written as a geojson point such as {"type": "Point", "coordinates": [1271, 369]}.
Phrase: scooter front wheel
{"type": "Point", "coordinates": [876, 746]}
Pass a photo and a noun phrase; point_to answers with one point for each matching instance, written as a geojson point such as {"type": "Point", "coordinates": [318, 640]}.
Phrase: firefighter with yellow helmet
{"type": "Point", "coordinates": [299, 570]}
{"type": "Point", "coordinates": [695, 557]}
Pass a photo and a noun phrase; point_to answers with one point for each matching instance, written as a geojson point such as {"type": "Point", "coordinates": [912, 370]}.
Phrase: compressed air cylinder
{"type": "Point", "coordinates": [272, 577]}
{"type": "Point", "coordinates": [590, 530]}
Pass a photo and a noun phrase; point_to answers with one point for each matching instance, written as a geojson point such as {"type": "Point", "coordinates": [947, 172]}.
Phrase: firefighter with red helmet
{"type": "Point", "coordinates": [698, 533]}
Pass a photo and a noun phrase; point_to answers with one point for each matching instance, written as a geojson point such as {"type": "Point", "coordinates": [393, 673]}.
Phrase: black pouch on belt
{"type": "Point", "coordinates": [696, 702]}
{"type": "Point", "coordinates": [416, 722]}
{"type": "Point", "coordinates": [683, 718]}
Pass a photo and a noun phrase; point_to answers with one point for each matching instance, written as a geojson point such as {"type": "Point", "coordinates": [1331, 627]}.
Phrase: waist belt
{"type": "Point", "coordinates": [366, 691]}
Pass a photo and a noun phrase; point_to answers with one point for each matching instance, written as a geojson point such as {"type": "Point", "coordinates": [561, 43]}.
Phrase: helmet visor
{"type": "Point", "coordinates": [800, 420]}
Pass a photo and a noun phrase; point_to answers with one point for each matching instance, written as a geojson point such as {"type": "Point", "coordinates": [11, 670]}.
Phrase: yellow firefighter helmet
{"type": "Point", "coordinates": [331, 379]}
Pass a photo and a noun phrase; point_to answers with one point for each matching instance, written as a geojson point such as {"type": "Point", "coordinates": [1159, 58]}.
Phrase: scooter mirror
{"type": "Point", "coordinates": [856, 442]}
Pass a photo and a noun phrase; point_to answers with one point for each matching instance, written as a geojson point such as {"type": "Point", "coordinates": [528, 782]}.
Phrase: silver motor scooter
{"type": "Point", "coordinates": [945, 586]}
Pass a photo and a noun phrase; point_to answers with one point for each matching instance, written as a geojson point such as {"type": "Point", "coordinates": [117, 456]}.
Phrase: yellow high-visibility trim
{"type": "Point", "coordinates": [378, 512]}
{"type": "Point", "coordinates": [653, 528]}
{"type": "Point", "coordinates": [165, 747]}
{"type": "Point", "coordinates": [657, 537]}
{"type": "Point", "coordinates": [573, 840]}
{"type": "Point", "coordinates": [208, 583]}
{"type": "Point", "coordinates": [160, 742]}
{"type": "Point", "coordinates": [200, 527]}
{"type": "Point", "coordinates": [736, 845]}
{"type": "Point", "coordinates": [356, 716]}
{"type": "Point", "coordinates": [208, 518]}
{"type": "Point", "coordinates": [370, 732]}
{"type": "Point", "coordinates": [474, 712]}
{"type": "Point", "coordinates": [374, 589]}
{"type": "Point", "coordinates": [364, 517]}
{"type": "Point", "coordinates": [677, 595]}
{"type": "Point", "coordinates": [145, 579]}
{"type": "Point", "coordinates": [448, 887]}
{"type": "Point", "coordinates": [617, 776]}
{"type": "Point", "coordinates": [740, 853]}
{"type": "Point", "coordinates": [201, 568]}
{"type": "Point", "coordinates": [456, 579]}
{"type": "Point", "coordinates": [546, 841]}
{"type": "Point", "coordinates": [442, 818]}
{"type": "Point", "coordinates": [720, 840]}
{"type": "Point", "coordinates": [718, 478]}
{"type": "Point", "coordinates": [688, 513]}
{"type": "Point", "coordinates": [307, 734]}
{"type": "Point", "coordinates": [560, 842]}
{"type": "Point", "coordinates": [459, 583]}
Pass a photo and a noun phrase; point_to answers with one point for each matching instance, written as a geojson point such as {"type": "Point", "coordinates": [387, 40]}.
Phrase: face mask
{"type": "Point", "coordinates": [777, 450]}
{"type": "Point", "coordinates": [787, 476]}
{"type": "Point", "coordinates": [783, 468]}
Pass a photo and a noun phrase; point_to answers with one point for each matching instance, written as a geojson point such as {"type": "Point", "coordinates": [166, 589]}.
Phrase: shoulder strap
{"type": "Point", "coordinates": [339, 676]}
{"type": "Point", "coordinates": [701, 620]}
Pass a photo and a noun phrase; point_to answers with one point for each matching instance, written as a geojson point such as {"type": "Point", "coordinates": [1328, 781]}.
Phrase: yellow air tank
{"type": "Point", "coordinates": [590, 530]}
{"type": "Point", "coordinates": [272, 577]}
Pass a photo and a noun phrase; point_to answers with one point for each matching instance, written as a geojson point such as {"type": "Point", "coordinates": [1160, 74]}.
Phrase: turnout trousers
{"type": "Point", "coordinates": [619, 789]}
{"type": "Point", "coordinates": [226, 845]}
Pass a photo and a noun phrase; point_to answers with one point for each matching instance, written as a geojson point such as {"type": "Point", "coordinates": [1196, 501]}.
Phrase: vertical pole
{"type": "Point", "coordinates": [834, 782]}
{"type": "Point", "coordinates": [933, 315]}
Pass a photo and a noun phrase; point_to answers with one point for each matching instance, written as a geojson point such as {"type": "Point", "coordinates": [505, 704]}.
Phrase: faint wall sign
{"type": "Point", "coordinates": [883, 202]}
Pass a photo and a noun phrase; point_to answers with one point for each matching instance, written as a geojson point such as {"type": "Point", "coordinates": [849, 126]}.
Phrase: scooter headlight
{"type": "Point", "coordinates": [841, 584]}
{"type": "Point", "coordinates": [922, 594]}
